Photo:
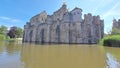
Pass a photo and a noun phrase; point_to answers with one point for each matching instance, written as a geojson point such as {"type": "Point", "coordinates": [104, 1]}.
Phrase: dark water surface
{"type": "Point", "coordinates": [17, 55]}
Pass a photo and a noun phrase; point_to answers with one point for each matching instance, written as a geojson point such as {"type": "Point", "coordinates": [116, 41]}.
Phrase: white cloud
{"type": "Point", "coordinates": [114, 11]}
{"type": "Point", "coordinates": [9, 19]}
{"type": "Point", "coordinates": [15, 20]}
{"type": "Point", "coordinates": [4, 18]}
{"type": "Point", "coordinates": [101, 3]}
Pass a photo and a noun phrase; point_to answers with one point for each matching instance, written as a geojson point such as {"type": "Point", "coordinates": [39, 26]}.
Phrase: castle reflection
{"type": "Point", "coordinates": [63, 56]}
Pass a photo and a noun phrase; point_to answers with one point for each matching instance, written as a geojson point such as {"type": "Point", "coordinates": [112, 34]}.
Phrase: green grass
{"type": "Point", "coordinates": [111, 40]}
{"type": "Point", "coordinates": [4, 38]}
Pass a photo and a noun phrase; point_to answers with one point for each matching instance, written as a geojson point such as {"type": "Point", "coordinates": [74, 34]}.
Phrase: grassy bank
{"type": "Point", "coordinates": [111, 40]}
{"type": "Point", "coordinates": [4, 38]}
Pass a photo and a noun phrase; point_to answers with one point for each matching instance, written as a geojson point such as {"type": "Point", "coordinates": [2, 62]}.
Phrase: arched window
{"type": "Point", "coordinates": [89, 33]}
{"type": "Point", "coordinates": [30, 35]}
{"type": "Point", "coordinates": [70, 36]}
{"type": "Point", "coordinates": [42, 36]}
{"type": "Point", "coordinates": [58, 33]}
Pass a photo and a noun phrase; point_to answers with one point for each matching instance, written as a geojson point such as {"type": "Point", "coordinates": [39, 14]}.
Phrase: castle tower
{"type": "Point", "coordinates": [76, 15]}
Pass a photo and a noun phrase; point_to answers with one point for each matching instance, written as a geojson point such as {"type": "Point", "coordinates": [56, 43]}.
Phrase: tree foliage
{"type": "Point", "coordinates": [12, 33]}
{"type": "Point", "coordinates": [115, 31]}
{"type": "Point", "coordinates": [15, 32]}
{"type": "Point", "coordinates": [112, 40]}
{"type": "Point", "coordinates": [2, 37]}
{"type": "Point", "coordinates": [19, 32]}
{"type": "Point", "coordinates": [3, 29]}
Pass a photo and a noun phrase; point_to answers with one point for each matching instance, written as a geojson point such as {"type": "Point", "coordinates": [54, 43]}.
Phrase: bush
{"type": "Point", "coordinates": [112, 41]}
{"type": "Point", "coordinates": [2, 37]}
{"type": "Point", "coordinates": [115, 31]}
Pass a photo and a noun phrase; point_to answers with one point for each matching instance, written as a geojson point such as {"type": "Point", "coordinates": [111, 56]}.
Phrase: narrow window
{"type": "Point", "coordinates": [42, 35]}
{"type": "Point", "coordinates": [58, 34]}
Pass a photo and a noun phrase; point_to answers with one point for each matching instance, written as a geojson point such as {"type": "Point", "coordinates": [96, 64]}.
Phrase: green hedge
{"type": "Point", "coordinates": [112, 40]}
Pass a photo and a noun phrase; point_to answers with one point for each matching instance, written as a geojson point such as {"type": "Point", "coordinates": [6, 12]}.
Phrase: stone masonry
{"type": "Point", "coordinates": [116, 24]}
{"type": "Point", "coordinates": [64, 27]}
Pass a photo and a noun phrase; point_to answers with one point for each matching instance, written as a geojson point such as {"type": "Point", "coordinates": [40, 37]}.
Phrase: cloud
{"type": "Point", "coordinates": [9, 19]}
{"type": "Point", "coordinates": [114, 11]}
{"type": "Point", "coordinates": [101, 3]}
{"type": "Point", "coordinates": [15, 20]}
{"type": "Point", "coordinates": [4, 18]}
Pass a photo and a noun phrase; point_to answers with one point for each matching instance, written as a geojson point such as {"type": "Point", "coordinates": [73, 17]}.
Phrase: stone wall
{"type": "Point", "coordinates": [116, 24]}
{"type": "Point", "coordinates": [64, 27]}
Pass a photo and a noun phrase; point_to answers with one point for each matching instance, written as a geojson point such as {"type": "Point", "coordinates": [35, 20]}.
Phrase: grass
{"type": "Point", "coordinates": [111, 40]}
{"type": "Point", "coordinates": [4, 38]}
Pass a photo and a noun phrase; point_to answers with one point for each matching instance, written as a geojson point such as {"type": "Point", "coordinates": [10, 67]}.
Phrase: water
{"type": "Point", "coordinates": [17, 55]}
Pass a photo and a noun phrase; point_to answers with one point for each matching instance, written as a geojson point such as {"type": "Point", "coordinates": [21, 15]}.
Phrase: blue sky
{"type": "Point", "coordinates": [18, 12]}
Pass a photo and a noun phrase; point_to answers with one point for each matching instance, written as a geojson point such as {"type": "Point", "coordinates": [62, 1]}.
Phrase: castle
{"type": "Point", "coordinates": [116, 24]}
{"type": "Point", "coordinates": [64, 26]}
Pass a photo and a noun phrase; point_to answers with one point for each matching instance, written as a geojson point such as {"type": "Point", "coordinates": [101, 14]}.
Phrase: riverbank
{"type": "Point", "coordinates": [5, 38]}
{"type": "Point", "coordinates": [111, 40]}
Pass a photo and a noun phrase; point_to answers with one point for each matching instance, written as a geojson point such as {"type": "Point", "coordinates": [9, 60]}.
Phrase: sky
{"type": "Point", "coordinates": [18, 12]}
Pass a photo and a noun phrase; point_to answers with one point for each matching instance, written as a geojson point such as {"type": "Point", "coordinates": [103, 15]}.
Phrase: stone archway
{"type": "Point", "coordinates": [89, 36]}
{"type": "Point", "coordinates": [30, 35]}
{"type": "Point", "coordinates": [70, 36]}
{"type": "Point", "coordinates": [58, 34]}
{"type": "Point", "coordinates": [42, 35]}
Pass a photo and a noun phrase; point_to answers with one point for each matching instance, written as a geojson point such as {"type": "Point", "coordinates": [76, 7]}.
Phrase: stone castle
{"type": "Point", "coordinates": [64, 27]}
{"type": "Point", "coordinates": [116, 24]}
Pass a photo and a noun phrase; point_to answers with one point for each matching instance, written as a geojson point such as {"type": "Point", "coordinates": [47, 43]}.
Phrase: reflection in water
{"type": "Point", "coordinates": [9, 47]}
{"type": "Point", "coordinates": [16, 55]}
{"type": "Point", "coordinates": [10, 55]}
{"type": "Point", "coordinates": [1, 47]}
{"type": "Point", "coordinates": [12, 47]}
{"type": "Point", "coordinates": [112, 61]}
{"type": "Point", "coordinates": [63, 57]}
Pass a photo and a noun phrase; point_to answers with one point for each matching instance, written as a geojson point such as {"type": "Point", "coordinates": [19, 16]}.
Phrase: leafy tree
{"type": "Point", "coordinates": [3, 29]}
{"type": "Point", "coordinates": [12, 32]}
{"type": "Point", "coordinates": [19, 32]}
{"type": "Point", "coordinates": [115, 31]}
{"type": "Point", "coordinates": [2, 37]}
{"type": "Point", "coordinates": [15, 32]}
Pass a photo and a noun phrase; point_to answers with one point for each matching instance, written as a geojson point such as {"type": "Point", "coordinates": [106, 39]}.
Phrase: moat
{"type": "Point", "coordinates": [18, 55]}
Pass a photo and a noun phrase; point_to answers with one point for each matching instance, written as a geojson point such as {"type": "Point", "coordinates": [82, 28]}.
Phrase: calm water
{"type": "Point", "coordinates": [17, 55]}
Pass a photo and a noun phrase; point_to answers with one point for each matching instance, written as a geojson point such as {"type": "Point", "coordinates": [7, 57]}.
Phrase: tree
{"type": "Point", "coordinates": [12, 32]}
{"type": "Point", "coordinates": [15, 32]}
{"type": "Point", "coordinates": [19, 32]}
{"type": "Point", "coordinates": [115, 31]}
{"type": "Point", "coordinates": [3, 29]}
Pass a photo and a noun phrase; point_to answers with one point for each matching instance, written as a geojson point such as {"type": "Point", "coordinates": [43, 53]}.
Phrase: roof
{"type": "Point", "coordinates": [76, 8]}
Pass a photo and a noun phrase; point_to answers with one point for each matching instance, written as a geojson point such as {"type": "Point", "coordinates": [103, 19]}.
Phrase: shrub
{"type": "Point", "coordinates": [112, 40]}
{"type": "Point", "coordinates": [2, 37]}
